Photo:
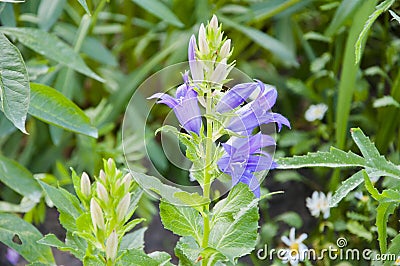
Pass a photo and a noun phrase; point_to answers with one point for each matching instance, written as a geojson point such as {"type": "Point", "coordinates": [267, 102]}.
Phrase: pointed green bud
{"type": "Point", "coordinates": [122, 208]}
{"type": "Point", "coordinates": [97, 215]}
{"type": "Point", "coordinates": [221, 72]}
{"type": "Point", "coordinates": [203, 45]}
{"type": "Point", "coordinates": [85, 185]}
{"type": "Point", "coordinates": [102, 193]}
{"type": "Point", "coordinates": [110, 163]}
{"type": "Point", "coordinates": [112, 246]}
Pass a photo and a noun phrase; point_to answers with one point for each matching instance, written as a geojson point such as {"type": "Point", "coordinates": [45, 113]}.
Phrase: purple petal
{"type": "Point", "coordinates": [188, 114]}
{"type": "Point", "coordinates": [165, 99]}
{"type": "Point", "coordinates": [192, 48]}
{"type": "Point", "coordinates": [235, 97]}
{"type": "Point", "coordinates": [252, 182]}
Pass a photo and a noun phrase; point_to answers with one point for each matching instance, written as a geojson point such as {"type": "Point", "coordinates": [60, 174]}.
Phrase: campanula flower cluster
{"type": "Point", "coordinates": [239, 113]}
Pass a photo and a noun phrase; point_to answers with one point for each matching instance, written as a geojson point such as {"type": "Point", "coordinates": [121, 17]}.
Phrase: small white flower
{"type": "Point", "coordinates": [397, 261]}
{"type": "Point", "coordinates": [316, 112]}
{"type": "Point", "coordinates": [319, 204]}
{"type": "Point", "coordinates": [297, 250]}
{"type": "Point", "coordinates": [360, 196]}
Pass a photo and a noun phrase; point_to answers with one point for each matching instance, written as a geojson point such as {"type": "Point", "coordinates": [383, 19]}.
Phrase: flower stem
{"type": "Point", "coordinates": [207, 175]}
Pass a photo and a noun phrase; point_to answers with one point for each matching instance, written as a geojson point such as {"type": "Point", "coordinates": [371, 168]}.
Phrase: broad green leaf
{"type": "Point", "coordinates": [49, 105]}
{"type": "Point", "coordinates": [19, 179]}
{"type": "Point", "coordinates": [51, 47]}
{"type": "Point", "coordinates": [187, 250]}
{"type": "Point", "coordinates": [160, 10]}
{"type": "Point", "coordinates": [394, 248]}
{"type": "Point", "coordinates": [193, 200]}
{"type": "Point", "coordinates": [334, 158]}
{"type": "Point", "coordinates": [348, 185]}
{"type": "Point", "coordinates": [267, 42]}
{"type": "Point", "coordinates": [136, 257]}
{"type": "Point", "coordinates": [14, 84]}
{"type": "Point", "coordinates": [152, 184]}
{"type": "Point", "coordinates": [234, 233]}
{"type": "Point", "coordinates": [48, 12]}
{"type": "Point", "coordinates": [383, 211]}
{"type": "Point", "coordinates": [182, 220]}
{"type": "Point", "coordinates": [84, 5]}
{"type": "Point", "coordinates": [212, 255]}
{"type": "Point", "coordinates": [291, 219]}
{"type": "Point", "coordinates": [343, 13]}
{"type": "Point", "coordinates": [133, 240]}
{"type": "Point", "coordinates": [13, 227]}
{"type": "Point", "coordinates": [162, 258]}
{"type": "Point", "coordinates": [63, 200]}
{"type": "Point", "coordinates": [52, 241]}
{"type": "Point", "coordinates": [386, 101]}
{"type": "Point", "coordinates": [359, 230]}
{"type": "Point", "coordinates": [372, 155]}
{"type": "Point", "coordinates": [382, 7]}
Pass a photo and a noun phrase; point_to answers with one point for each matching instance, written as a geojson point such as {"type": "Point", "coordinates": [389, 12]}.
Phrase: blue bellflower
{"type": "Point", "coordinates": [243, 156]}
{"type": "Point", "coordinates": [255, 113]}
{"type": "Point", "coordinates": [185, 105]}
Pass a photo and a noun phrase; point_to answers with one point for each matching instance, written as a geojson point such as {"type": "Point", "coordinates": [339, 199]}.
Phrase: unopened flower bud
{"type": "Point", "coordinates": [96, 215]}
{"type": "Point", "coordinates": [127, 180]}
{"type": "Point", "coordinates": [112, 246]}
{"type": "Point", "coordinates": [214, 23]}
{"type": "Point", "coordinates": [85, 185]}
{"type": "Point", "coordinates": [203, 45]}
{"type": "Point", "coordinates": [220, 72]}
{"type": "Point", "coordinates": [123, 207]}
{"type": "Point", "coordinates": [102, 176]}
{"type": "Point", "coordinates": [225, 49]}
{"type": "Point", "coordinates": [102, 193]}
{"type": "Point", "coordinates": [110, 163]}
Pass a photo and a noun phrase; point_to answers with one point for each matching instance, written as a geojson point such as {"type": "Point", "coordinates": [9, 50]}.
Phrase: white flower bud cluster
{"type": "Point", "coordinates": [108, 201]}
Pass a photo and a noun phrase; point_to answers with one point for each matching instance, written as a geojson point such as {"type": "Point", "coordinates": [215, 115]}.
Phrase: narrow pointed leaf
{"type": "Point", "coordinates": [51, 47]}
{"type": "Point", "coordinates": [14, 84]}
{"type": "Point", "coordinates": [84, 5]}
{"type": "Point", "coordinates": [49, 105]}
{"type": "Point", "coordinates": [158, 9]}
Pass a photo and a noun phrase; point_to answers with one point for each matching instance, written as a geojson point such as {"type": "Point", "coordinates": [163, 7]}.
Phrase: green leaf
{"type": "Point", "coordinates": [187, 250]}
{"type": "Point", "coordinates": [52, 241]}
{"type": "Point", "coordinates": [359, 230]}
{"type": "Point", "coordinates": [267, 42]}
{"type": "Point", "coordinates": [343, 13]}
{"type": "Point", "coordinates": [133, 240]}
{"type": "Point", "coordinates": [136, 257]}
{"type": "Point", "coordinates": [13, 227]}
{"type": "Point", "coordinates": [235, 223]}
{"type": "Point", "coordinates": [152, 184]}
{"type": "Point", "coordinates": [84, 5]}
{"type": "Point", "coordinates": [19, 179]}
{"type": "Point", "coordinates": [48, 12]}
{"type": "Point", "coordinates": [66, 203]}
{"type": "Point", "coordinates": [49, 105]}
{"type": "Point", "coordinates": [182, 220]}
{"type": "Point", "coordinates": [52, 47]}
{"type": "Point", "coordinates": [372, 155]}
{"type": "Point", "coordinates": [334, 158]}
{"type": "Point", "coordinates": [394, 248]}
{"type": "Point", "coordinates": [386, 101]}
{"type": "Point", "coordinates": [160, 10]}
{"type": "Point", "coordinates": [291, 219]}
{"type": "Point", "coordinates": [382, 7]}
{"type": "Point", "coordinates": [193, 200]}
{"type": "Point", "coordinates": [348, 185]}
{"type": "Point", "coordinates": [14, 84]}
{"type": "Point", "coordinates": [383, 211]}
